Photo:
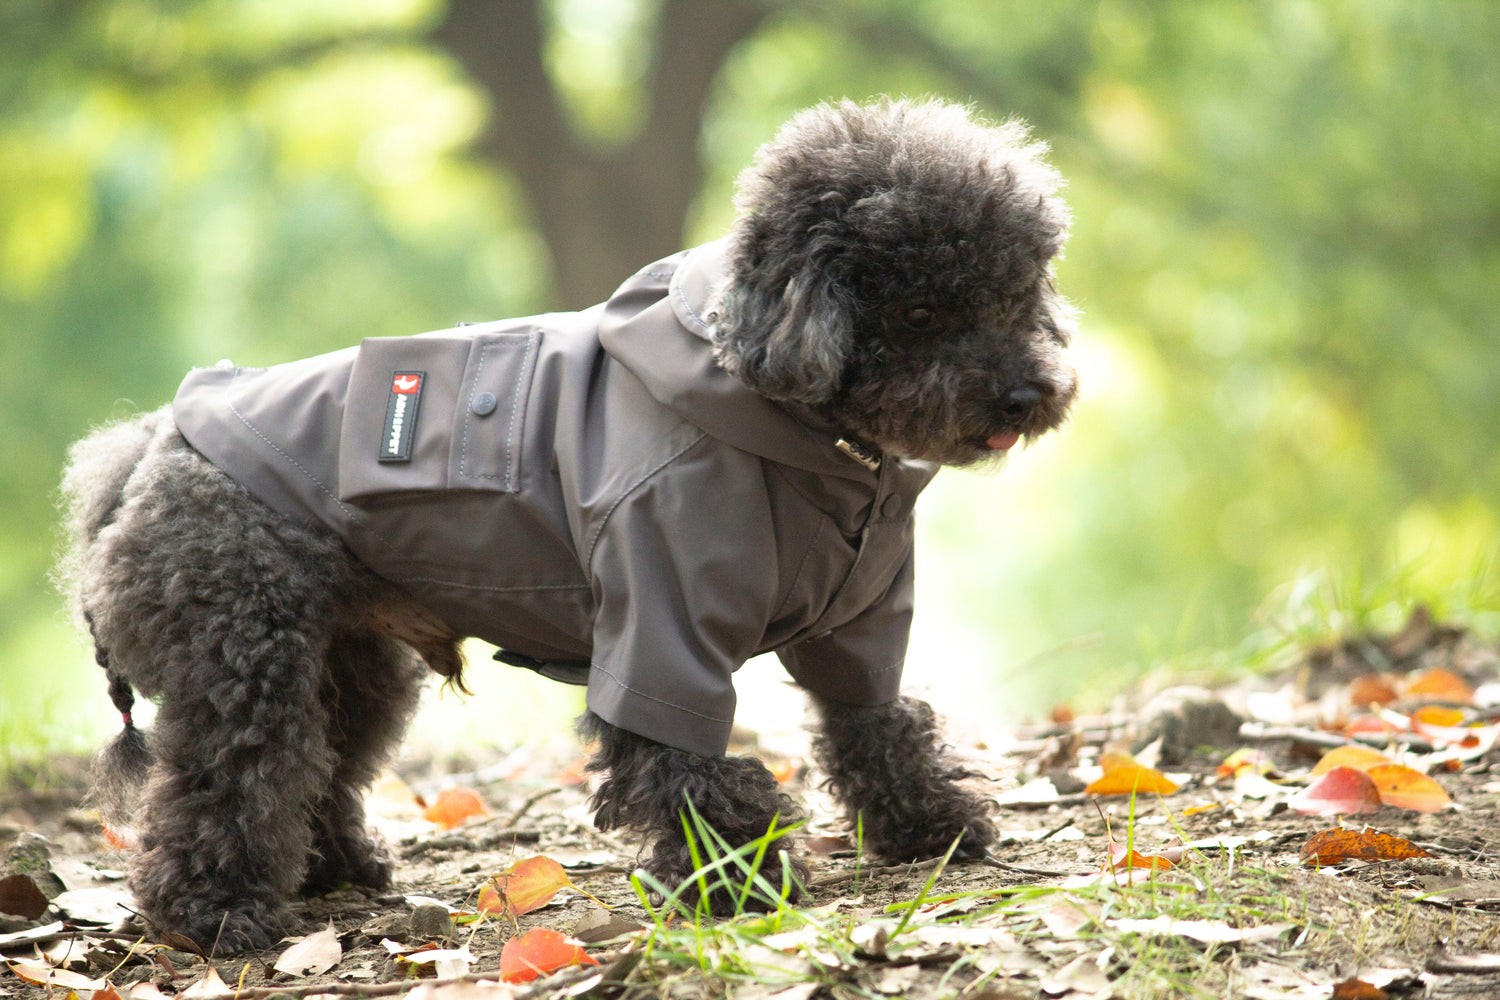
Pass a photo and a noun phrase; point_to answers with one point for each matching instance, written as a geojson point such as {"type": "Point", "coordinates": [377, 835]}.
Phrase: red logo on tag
{"type": "Point", "coordinates": [406, 384]}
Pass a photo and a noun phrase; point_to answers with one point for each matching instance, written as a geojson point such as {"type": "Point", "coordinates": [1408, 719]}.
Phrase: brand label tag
{"type": "Point", "coordinates": [401, 416]}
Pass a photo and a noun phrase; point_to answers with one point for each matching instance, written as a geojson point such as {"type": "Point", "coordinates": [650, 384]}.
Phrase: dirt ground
{"type": "Point", "coordinates": [1424, 927]}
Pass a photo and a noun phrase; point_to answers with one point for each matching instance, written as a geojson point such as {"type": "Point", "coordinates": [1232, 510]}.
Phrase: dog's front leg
{"type": "Point", "coordinates": [647, 788]}
{"type": "Point", "coordinates": [891, 774]}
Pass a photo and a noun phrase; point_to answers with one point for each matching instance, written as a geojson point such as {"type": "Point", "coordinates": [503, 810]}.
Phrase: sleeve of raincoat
{"type": "Point", "coordinates": [684, 576]}
{"type": "Point", "coordinates": [859, 663]}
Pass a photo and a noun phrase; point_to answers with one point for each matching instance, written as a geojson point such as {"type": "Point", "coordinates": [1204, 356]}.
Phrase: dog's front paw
{"type": "Point", "coordinates": [368, 866]}
{"type": "Point", "coordinates": [217, 931]}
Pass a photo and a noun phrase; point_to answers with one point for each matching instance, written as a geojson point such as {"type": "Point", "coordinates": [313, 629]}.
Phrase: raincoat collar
{"type": "Point", "coordinates": [654, 325]}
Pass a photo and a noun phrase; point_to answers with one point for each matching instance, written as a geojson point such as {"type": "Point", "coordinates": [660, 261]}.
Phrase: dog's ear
{"type": "Point", "coordinates": [785, 336]}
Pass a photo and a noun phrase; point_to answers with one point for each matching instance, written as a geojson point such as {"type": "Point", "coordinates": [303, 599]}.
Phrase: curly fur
{"type": "Point", "coordinates": [890, 269]}
{"type": "Point", "coordinates": [647, 788]}
{"type": "Point", "coordinates": [897, 783]}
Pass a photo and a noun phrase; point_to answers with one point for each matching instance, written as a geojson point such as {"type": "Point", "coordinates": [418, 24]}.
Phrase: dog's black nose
{"type": "Point", "coordinates": [1021, 403]}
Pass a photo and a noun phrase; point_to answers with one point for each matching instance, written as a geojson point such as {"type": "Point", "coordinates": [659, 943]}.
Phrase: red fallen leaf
{"type": "Point", "coordinates": [1371, 725]}
{"type": "Point", "coordinates": [1361, 758]}
{"type": "Point", "coordinates": [1132, 777]}
{"type": "Point", "coordinates": [1372, 689]}
{"type": "Point", "coordinates": [453, 806]}
{"type": "Point", "coordinates": [1358, 989]}
{"type": "Point", "coordinates": [524, 886]}
{"type": "Point", "coordinates": [1404, 788]}
{"type": "Point", "coordinates": [1333, 846]}
{"type": "Point", "coordinates": [538, 952]}
{"type": "Point", "coordinates": [1341, 791]}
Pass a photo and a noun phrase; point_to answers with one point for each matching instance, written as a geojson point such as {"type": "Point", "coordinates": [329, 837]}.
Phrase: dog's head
{"type": "Point", "coordinates": [891, 267]}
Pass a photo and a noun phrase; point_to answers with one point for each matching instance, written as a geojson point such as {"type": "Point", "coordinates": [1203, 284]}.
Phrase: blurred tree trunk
{"type": "Point", "coordinates": [603, 213]}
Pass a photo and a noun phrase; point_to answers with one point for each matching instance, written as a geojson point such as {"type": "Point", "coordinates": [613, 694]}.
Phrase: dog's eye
{"type": "Point", "coordinates": [918, 317]}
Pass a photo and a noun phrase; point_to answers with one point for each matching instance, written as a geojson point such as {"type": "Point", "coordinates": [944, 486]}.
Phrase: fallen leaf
{"type": "Point", "coordinates": [1250, 759]}
{"type": "Point", "coordinates": [20, 896]}
{"type": "Point", "coordinates": [1345, 790]}
{"type": "Point", "coordinates": [524, 886]}
{"type": "Point", "coordinates": [1358, 989]}
{"type": "Point", "coordinates": [1362, 758]}
{"type": "Point", "coordinates": [1440, 685]}
{"type": "Point", "coordinates": [1127, 779]}
{"type": "Point", "coordinates": [1404, 788]}
{"type": "Point", "coordinates": [1372, 689]}
{"type": "Point", "coordinates": [1332, 846]}
{"type": "Point", "coordinates": [1436, 715]}
{"type": "Point", "coordinates": [446, 962]}
{"type": "Point", "coordinates": [453, 806]}
{"type": "Point", "coordinates": [1206, 931]}
{"type": "Point", "coordinates": [538, 952]}
{"type": "Point", "coordinates": [1122, 858]}
{"type": "Point", "coordinates": [1373, 725]}
{"type": "Point", "coordinates": [209, 985]}
{"type": "Point", "coordinates": [43, 975]}
{"type": "Point", "coordinates": [312, 955]}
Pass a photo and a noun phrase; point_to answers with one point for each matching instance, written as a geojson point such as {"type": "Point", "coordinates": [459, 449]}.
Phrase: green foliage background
{"type": "Point", "coordinates": [1286, 248]}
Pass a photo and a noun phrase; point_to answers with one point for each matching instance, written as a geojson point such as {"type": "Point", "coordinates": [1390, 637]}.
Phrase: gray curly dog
{"type": "Point", "coordinates": [719, 461]}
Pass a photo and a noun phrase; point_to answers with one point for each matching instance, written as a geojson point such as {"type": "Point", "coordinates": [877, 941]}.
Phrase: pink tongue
{"type": "Point", "coordinates": [1003, 442]}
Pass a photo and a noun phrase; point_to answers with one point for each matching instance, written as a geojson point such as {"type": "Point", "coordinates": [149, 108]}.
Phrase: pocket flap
{"type": "Point", "coordinates": [398, 416]}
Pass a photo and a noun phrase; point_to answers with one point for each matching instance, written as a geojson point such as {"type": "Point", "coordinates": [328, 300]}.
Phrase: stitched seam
{"type": "Point", "coordinates": [273, 446]}
{"type": "Point", "coordinates": [515, 405]}
{"type": "Point", "coordinates": [660, 701]}
{"type": "Point", "coordinates": [588, 559]}
{"type": "Point", "coordinates": [463, 453]}
{"type": "Point", "coordinates": [491, 587]}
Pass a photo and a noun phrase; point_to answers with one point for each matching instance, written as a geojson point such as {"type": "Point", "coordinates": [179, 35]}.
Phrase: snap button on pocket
{"type": "Point", "coordinates": [483, 404]}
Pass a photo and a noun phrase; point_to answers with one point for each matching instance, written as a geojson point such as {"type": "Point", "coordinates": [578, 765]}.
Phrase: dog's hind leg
{"type": "Point", "coordinates": [241, 759]}
{"type": "Point", "coordinates": [373, 688]}
{"type": "Point", "coordinates": [886, 767]}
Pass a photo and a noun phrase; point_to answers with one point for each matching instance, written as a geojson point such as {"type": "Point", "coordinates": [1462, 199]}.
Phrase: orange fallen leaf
{"type": "Point", "coordinates": [1122, 858]}
{"type": "Point", "coordinates": [453, 806]}
{"type": "Point", "coordinates": [1371, 689]}
{"type": "Point", "coordinates": [1437, 715]}
{"type": "Point", "coordinates": [1131, 778]}
{"type": "Point", "coordinates": [123, 839]}
{"type": "Point", "coordinates": [1341, 791]}
{"type": "Point", "coordinates": [1358, 989]}
{"type": "Point", "coordinates": [1333, 846]}
{"type": "Point", "coordinates": [1440, 685]}
{"type": "Point", "coordinates": [538, 952]}
{"type": "Point", "coordinates": [524, 886]}
{"type": "Point", "coordinates": [1063, 715]}
{"type": "Point", "coordinates": [1404, 788]}
{"type": "Point", "coordinates": [1361, 758]}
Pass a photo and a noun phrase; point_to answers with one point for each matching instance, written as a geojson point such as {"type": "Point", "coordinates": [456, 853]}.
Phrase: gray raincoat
{"type": "Point", "coordinates": [591, 492]}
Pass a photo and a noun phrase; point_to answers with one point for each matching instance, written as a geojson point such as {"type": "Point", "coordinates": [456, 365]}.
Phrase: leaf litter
{"type": "Point", "coordinates": [1206, 876]}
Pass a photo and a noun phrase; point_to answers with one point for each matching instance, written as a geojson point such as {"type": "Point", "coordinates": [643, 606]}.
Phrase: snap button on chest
{"type": "Point", "coordinates": [483, 404]}
{"type": "Point", "coordinates": [890, 507]}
